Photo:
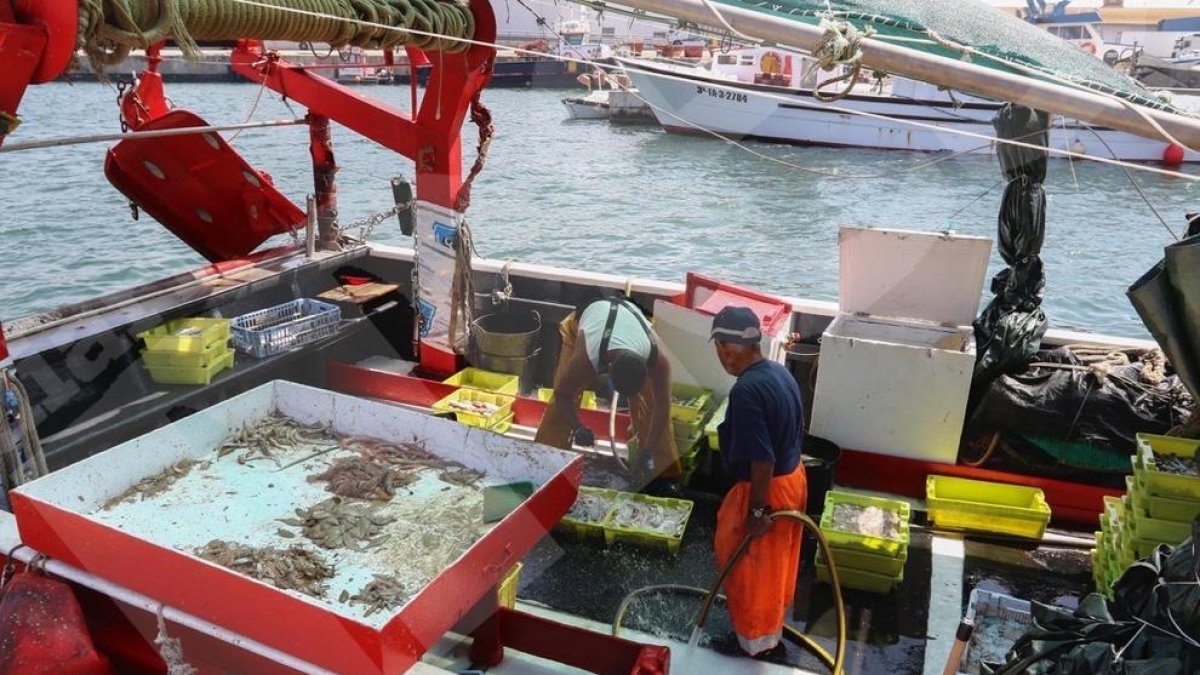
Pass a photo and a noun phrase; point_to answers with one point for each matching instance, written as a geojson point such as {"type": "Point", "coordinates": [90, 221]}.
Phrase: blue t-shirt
{"type": "Point", "coordinates": [764, 421]}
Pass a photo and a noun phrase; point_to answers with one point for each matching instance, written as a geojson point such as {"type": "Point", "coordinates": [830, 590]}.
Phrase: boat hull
{"type": "Point", "coordinates": [684, 101]}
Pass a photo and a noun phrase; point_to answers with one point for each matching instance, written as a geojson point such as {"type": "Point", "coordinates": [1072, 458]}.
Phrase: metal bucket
{"type": "Point", "coordinates": [505, 341]}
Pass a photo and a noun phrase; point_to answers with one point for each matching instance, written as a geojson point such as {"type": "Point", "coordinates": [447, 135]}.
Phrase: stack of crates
{"type": "Point", "coordinates": [495, 391]}
{"type": "Point", "coordinates": [691, 408]}
{"type": "Point", "coordinates": [187, 351]}
{"type": "Point", "coordinates": [1162, 498]}
{"type": "Point", "coordinates": [864, 561]}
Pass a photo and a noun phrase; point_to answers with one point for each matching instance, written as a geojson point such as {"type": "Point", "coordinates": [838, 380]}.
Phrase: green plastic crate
{"type": "Point", "coordinates": [696, 409]}
{"type": "Point", "coordinates": [186, 335]}
{"type": "Point", "coordinates": [1157, 530]}
{"type": "Point", "coordinates": [1164, 508]}
{"type": "Point", "coordinates": [586, 530]}
{"type": "Point", "coordinates": [858, 579]}
{"type": "Point", "coordinates": [887, 565]}
{"type": "Point", "coordinates": [865, 542]}
{"type": "Point", "coordinates": [198, 375]}
{"type": "Point", "coordinates": [484, 380]}
{"type": "Point", "coordinates": [653, 540]}
{"type": "Point", "coordinates": [715, 421]}
{"type": "Point", "coordinates": [983, 506]}
{"type": "Point", "coordinates": [1160, 483]}
{"type": "Point", "coordinates": [690, 428]}
{"type": "Point", "coordinates": [503, 411]}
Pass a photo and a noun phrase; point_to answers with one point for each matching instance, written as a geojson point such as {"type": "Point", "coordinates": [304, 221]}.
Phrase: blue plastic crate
{"type": "Point", "coordinates": [285, 327]}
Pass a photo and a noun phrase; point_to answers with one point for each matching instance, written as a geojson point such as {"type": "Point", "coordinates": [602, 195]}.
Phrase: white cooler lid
{"type": "Point", "coordinates": [902, 274]}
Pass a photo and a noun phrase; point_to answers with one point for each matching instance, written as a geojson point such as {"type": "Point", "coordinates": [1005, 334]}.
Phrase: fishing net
{"type": "Point", "coordinates": [1149, 627]}
{"type": "Point", "coordinates": [946, 27]}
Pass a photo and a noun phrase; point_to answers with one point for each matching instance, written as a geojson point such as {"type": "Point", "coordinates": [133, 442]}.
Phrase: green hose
{"type": "Point", "coordinates": [835, 663]}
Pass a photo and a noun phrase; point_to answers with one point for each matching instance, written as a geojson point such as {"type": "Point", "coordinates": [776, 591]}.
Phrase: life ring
{"type": "Point", "coordinates": [1089, 48]}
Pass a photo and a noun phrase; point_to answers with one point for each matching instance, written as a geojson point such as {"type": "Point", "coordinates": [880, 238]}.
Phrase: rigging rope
{"type": "Point", "coordinates": [109, 29]}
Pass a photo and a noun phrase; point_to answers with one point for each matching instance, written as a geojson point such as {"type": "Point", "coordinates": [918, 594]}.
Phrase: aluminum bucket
{"type": "Point", "coordinates": [505, 341]}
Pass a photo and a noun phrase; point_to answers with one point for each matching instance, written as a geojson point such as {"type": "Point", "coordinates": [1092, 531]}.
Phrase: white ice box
{"type": "Point", "coordinates": [896, 364]}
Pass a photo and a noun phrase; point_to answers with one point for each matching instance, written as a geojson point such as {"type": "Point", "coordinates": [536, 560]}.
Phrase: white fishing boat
{"type": "Point", "coordinates": [135, 440]}
{"type": "Point", "coordinates": [770, 94]}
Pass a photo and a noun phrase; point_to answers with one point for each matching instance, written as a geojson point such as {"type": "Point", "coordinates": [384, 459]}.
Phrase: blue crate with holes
{"type": "Point", "coordinates": [285, 327]}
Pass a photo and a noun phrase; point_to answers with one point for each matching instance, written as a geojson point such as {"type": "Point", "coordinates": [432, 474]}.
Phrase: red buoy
{"type": "Point", "coordinates": [1173, 155]}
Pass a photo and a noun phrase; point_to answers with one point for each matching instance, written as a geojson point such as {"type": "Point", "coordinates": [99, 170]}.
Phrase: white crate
{"type": "Point", "coordinates": [896, 364]}
{"type": "Point", "coordinates": [996, 605]}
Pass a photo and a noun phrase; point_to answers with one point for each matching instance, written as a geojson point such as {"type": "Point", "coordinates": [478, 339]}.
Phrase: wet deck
{"type": "Point", "coordinates": [887, 634]}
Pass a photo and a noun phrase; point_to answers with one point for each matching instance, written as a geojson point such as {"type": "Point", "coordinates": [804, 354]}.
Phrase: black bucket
{"type": "Point", "coordinates": [820, 458]}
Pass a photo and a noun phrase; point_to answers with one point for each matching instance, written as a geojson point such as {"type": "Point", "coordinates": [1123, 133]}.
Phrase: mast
{"type": "Point", "coordinates": [1093, 108]}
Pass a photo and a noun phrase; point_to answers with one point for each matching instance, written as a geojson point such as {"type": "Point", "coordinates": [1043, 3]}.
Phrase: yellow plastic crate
{"type": "Point", "coordinates": [646, 538]}
{"type": "Point", "coordinates": [865, 542]}
{"type": "Point", "coordinates": [983, 506]}
{"type": "Point", "coordinates": [1161, 483]}
{"type": "Point", "coordinates": [715, 421]}
{"type": "Point", "coordinates": [201, 359]}
{"type": "Point", "coordinates": [1157, 530]}
{"type": "Point", "coordinates": [475, 378]}
{"type": "Point", "coordinates": [875, 563]}
{"type": "Point", "coordinates": [588, 530]}
{"type": "Point", "coordinates": [862, 580]}
{"type": "Point", "coordinates": [186, 335]}
{"type": "Point", "coordinates": [1164, 508]}
{"type": "Point", "coordinates": [506, 593]}
{"type": "Point", "coordinates": [587, 401]}
{"type": "Point", "coordinates": [192, 375]}
{"type": "Point", "coordinates": [502, 413]}
{"type": "Point", "coordinates": [689, 403]}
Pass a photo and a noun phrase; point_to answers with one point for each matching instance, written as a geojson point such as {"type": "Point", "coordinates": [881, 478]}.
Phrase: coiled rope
{"type": "Point", "coordinates": [109, 29]}
{"type": "Point", "coordinates": [839, 45]}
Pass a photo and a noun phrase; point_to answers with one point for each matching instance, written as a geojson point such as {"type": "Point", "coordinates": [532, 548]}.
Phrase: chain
{"type": "Point", "coordinates": [122, 85]}
{"type": "Point", "coordinates": [367, 225]}
{"type": "Point", "coordinates": [10, 566]}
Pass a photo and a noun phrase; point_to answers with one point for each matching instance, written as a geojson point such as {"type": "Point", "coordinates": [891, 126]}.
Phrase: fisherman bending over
{"type": "Point", "coordinates": [760, 441]}
{"type": "Point", "coordinates": [610, 338]}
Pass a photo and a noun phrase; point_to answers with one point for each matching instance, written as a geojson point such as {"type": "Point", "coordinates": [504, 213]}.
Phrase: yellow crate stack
{"type": "Point", "coordinates": [691, 408]}
{"type": "Point", "coordinates": [865, 562]}
{"type": "Point", "coordinates": [187, 351]}
{"type": "Point", "coordinates": [1161, 499]}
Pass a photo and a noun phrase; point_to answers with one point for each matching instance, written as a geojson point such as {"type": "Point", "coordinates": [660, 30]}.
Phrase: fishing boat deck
{"type": "Point", "coordinates": [907, 631]}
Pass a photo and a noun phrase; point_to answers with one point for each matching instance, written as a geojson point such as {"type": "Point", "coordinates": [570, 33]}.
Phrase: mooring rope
{"type": "Point", "coordinates": [839, 45]}
{"type": "Point", "coordinates": [109, 29]}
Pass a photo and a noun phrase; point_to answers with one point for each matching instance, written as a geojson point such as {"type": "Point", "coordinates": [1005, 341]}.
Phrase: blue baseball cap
{"type": "Point", "coordinates": [738, 325]}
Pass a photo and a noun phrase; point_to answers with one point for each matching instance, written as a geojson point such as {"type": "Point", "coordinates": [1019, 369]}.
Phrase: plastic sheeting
{"type": "Point", "coordinates": [1167, 298]}
{"type": "Point", "coordinates": [1009, 331]}
{"type": "Point", "coordinates": [1150, 627]}
{"type": "Point", "coordinates": [1075, 403]}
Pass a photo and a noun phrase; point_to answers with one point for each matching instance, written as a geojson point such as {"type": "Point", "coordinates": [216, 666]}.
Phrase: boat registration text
{"type": "Point", "coordinates": [721, 94]}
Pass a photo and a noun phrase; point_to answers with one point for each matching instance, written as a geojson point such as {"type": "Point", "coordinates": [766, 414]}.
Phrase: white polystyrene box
{"type": "Point", "coordinates": [896, 364]}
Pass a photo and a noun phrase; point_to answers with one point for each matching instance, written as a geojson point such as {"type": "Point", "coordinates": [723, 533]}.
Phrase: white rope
{"type": "Point", "coordinates": [170, 649]}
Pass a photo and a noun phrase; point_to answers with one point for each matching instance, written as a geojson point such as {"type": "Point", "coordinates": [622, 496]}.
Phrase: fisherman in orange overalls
{"type": "Point", "coordinates": [760, 442]}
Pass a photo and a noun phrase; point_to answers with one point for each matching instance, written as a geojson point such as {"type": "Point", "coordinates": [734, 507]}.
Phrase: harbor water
{"type": "Point", "coordinates": [629, 200]}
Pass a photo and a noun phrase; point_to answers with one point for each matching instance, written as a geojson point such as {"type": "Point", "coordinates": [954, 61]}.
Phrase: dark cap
{"type": "Point", "coordinates": [738, 325]}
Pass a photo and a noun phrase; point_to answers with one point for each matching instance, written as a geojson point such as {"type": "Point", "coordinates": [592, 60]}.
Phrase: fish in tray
{"type": "Point", "coordinates": [1177, 465]}
{"type": "Point", "coordinates": [382, 593]}
{"type": "Point", "coordinates": [335, 523]}
{"type": "Point", "coordinates": [274, 434]}
{"type": "Point", "coordinates": [650, 517]}
{"type": "Point", "coordinates": [294, 568]}
{"type": "Point", "coordinates": [589, 508]}
{"type": "Point", "coordinates": [869, 520]}
{"type": "Point", "coordinates": [476, 407]}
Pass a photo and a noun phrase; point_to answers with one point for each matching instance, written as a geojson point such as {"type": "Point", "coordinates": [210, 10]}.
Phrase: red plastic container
{"type": "Point", "coordinates": [710, 296]}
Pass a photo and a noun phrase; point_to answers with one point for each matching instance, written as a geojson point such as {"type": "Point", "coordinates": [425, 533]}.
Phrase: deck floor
{"type": "Point", "coordinates": [887, 634]}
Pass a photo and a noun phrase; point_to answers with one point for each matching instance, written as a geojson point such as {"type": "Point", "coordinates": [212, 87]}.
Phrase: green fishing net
{"type": "Point", "coordinates": [1012, 41]}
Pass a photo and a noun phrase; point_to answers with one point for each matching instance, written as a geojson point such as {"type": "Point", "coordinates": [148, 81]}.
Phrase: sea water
{"type": "Point", "coordinates": [628, 200]}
